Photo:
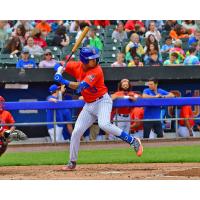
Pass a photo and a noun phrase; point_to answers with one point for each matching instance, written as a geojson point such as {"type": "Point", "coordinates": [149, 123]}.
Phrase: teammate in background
{"type": "Point", "coordinates": [123, 114]}
{"type": "Point", "coordinates": [186, 125]}
{"type": "Point", "coordinates": [152, 112]}
{"type": "Point", "coordinates": [137, 130]}
{"type": "Point", "coordinates": [54, 97]}
{"type": "Point", "coordinates": [98, 106]}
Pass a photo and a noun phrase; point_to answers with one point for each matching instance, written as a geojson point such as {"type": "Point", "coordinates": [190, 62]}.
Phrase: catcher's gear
{"type": "Point", "coordinates": [3, 145]}
{"type": "Point", "coordinates": [17, 135]}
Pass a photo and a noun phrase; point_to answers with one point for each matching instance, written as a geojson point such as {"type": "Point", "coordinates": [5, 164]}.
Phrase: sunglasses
{"type": "Point", "coordinates": [48, 54]}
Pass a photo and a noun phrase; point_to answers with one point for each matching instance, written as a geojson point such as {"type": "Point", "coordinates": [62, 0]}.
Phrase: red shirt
{"type": "Point", "coordinates": [93, 77]}
{"type": "Point", "coordinates": [124, 110]}
{"type": "Point", "coordinates": [40, 41]}
{"type": "Point", "coordinates": [130, 24]}
{"type": "Point", "coordinates": [137, 113]}
{"type": "Point", "coordinates": [6, 118]}
{"type": "Point", "coordinates": [186, 112]}
{"type": "Point", "coordinates": [102, 23]}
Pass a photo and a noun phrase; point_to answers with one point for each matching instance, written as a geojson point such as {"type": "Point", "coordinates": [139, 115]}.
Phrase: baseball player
{"type": "Point", "coordinates": [98, 106]}
{"type": "Point", "coordinates": [123, 114]}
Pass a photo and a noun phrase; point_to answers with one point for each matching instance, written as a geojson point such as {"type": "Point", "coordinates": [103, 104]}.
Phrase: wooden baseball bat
{"type": "Point", "coordinates": [78, 42]}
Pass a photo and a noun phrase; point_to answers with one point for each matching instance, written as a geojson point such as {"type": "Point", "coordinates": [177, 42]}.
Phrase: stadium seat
{"type": "Point", "coordinates": [49, 39]}
{"type": "Point", "coordinates": [109, 56]}
{"type": "Point", "coordinates": [165, 56]}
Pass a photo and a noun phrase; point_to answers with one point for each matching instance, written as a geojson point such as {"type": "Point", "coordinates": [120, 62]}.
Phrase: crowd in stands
{"type": "Point", "coordinates": [122, 43]}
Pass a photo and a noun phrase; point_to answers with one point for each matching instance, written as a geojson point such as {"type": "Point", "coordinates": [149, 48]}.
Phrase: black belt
{"type": "Point", "coordinates": [122, 115]}
{"type": "Point", "coordinates": [96, 99]}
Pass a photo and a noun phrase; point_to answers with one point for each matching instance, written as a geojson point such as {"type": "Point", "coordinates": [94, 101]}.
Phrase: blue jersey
{"type": "Point", "coordinates": [50, 115]}
{"type": "Point", "coordinates": [152, 112]}
{"type": "Point", "coordinates": [26, 64]}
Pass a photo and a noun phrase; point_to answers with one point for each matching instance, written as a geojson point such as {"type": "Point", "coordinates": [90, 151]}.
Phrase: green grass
{"type": "Point", "coordinates": [122, 155]}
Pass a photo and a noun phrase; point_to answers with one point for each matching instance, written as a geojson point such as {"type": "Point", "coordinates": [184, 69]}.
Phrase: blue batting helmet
{"type": "Point", "coordinates": [89, 53]}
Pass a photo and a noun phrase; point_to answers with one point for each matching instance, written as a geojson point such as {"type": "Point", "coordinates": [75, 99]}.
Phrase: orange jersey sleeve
{"type": "Point", "coordinates": [6, 118]}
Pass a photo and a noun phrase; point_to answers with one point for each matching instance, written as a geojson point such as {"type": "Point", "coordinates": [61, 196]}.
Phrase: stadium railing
{"type": "Point", "coordinates": [158, 102]}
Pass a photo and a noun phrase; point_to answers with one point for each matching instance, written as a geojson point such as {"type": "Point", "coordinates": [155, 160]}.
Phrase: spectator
{"type": "Point", "coordinates": [54, 91]}
{"type": "Point", "coordinates": [137, 130]}
{"type": "Point", "coordinates": [48, 61]}
{"type": "Point", "coordinates": [61, 39]}
{"type": "Point", "coordinates": [123, 114]}
{"type": "Point", "coordinates": [3, 33]}
{"type": "Point", "coordinates": [27, 25]}
{"type": "Point", "coordinates": [167, 46]}
{"type": "Point", "coordinates": [131, 54]}
{"type": "Point", "coordinates": [179, 32]}
{"type": "Point", "coordinates": [170, 25]}
{"type": "Point", "coordinates": [34, 49]}
{"type": "Point", "coordinates": [195, 38]}
{"type": "Point", "coordinates": [13, 47]}
{"type": "Point", "coordinates": [38, 40]}
{"type": "Point", "coordinates": [151, 40]}
{"type": "Point", "coordinates": [74, 27]}
{"type": "Point", "coordinates": [44, 27]}
{"type": "Point", "coordinates": [192, 59]}
{"type": "Point", "coordinates": [119, 33]}
{"type": "Point", "coordinates": [102, 23]}
{"type": "Point", "coordinates": [189, 25]}
{"type": "Point", "coordinates": [186, 125]}
{"type": "Point", "coordinates": [82, 26]}
{"type": "Point", "coordinates": [120, 61]}
{"type": "Point", "coordinates": [158, 24]}
{"type": "Point", "coordinates": [25, 61]}
{"type": "Point", "coordinates": [178, 49]}
{"type": "Point", "coordinates": [152, 112]}
{"type": "Point", "coordinates": [20, 32]}
{"type": "Point", "coordinates": [130, 27]}
{"type": "Point", "coordinates": [94, 41]}
{"type": "Point", "coordinates": [135, 62]}
{"type": "Point", "coordinates": [173, 60]}
{"type": "Point", "coordinates": [153, 60]}
{"type": "Point", "coordinates": [153, 30]}
{"type": "Point", "coordinates": [135, 42]}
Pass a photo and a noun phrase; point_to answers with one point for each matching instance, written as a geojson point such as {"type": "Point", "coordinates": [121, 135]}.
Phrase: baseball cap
{"type": "Point", "coordinates": [53, 88]}
{"type": "Point", "coordinates": [25, 50]}
{"type": "Point", "coordinates": [47, 51]}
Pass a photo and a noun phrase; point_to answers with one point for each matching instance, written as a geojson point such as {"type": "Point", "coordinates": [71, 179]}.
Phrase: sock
{"type": "Point", "coordinates": [126, 137]}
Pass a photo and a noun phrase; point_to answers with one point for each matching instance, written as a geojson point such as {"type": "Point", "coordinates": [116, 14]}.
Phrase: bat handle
{"type": "Point", "coordinates": [68, 60]}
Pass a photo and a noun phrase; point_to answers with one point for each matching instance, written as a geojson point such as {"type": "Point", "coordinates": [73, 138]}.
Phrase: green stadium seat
{"type": "Point", "coordinates": [49, 39]}
{"type": "Point", "coordinates": [109, 56]}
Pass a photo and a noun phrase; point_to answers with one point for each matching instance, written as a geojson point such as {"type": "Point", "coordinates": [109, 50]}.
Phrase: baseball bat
{"type": "Point", "coordinates": [75, 47]}
{"type": "Point", "coordinates": [78, 42]}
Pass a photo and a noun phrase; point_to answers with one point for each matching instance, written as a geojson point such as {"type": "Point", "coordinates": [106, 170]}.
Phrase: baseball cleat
{"type": "Point", "coordinates": [70, 166]}
{"type": "Point", "coordinates": [137, 145]}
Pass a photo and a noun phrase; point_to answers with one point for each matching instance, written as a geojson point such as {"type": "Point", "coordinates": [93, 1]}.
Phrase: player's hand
{"type": "Point", "coordinates": [58, 77]}
{"type": "Point", "coordinates": [133, 98]}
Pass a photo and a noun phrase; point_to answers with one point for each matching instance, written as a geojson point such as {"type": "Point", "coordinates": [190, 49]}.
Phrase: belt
{"type": "Point", "coordinates": [97, 99]}
{"type": "Point", "coordinates": [122, 115]}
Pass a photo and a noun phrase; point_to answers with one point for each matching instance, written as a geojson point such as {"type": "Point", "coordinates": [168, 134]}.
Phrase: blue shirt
{"type": "Point", "coordinates": [166, 47]}
{"type": "Point", "coordinates": [50, 115]}
{"type": "Point", "coordinates": [152, 112]}
{"type": "Point", "coordinates": [26, 64]}
{"type": "Point", "coordinates": [192, 40]}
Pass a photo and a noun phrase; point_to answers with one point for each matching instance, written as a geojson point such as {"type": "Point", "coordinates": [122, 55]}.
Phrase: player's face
{"type": "Point", "coordinates": [92, 63]}
{"type": "Point", "coordinates": [152, 85]}
{"type": "Point", "coordinates": [125, 85]}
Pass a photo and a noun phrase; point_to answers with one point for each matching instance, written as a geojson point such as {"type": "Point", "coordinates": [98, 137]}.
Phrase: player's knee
{"type": "Point", "coordinates": [77, 132]}
{"type": "Point", "coordinates": [105, 126]}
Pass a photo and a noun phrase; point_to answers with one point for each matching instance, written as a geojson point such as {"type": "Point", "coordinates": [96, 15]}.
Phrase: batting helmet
{"type": "Point", "coordinates": [89, 53]}
{"type": "Point", "coordinates": [2, 101]}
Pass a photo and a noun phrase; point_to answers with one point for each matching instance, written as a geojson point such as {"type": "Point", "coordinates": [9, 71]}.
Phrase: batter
{"type": "Point", "coordinates": [98, 106]}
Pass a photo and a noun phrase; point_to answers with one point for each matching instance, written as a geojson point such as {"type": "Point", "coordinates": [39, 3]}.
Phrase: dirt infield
{"type": "Point", "coordinates": [144, 171]}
